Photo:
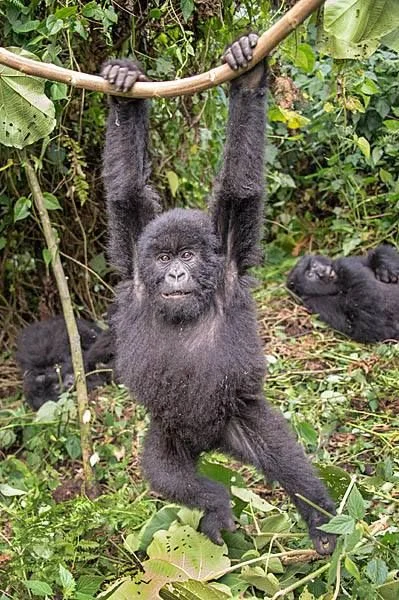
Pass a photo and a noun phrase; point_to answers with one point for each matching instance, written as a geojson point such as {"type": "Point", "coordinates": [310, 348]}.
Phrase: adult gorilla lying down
{"type": "Point", "coordinates": [185, 323]}
{"type": "Point", "coordinates": [44, 357]}
{"type": "Point", "coordinates": [357, 295]}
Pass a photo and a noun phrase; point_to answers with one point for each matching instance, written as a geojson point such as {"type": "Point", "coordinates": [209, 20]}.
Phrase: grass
{"type": "Point", "coordinates": [340, 397]}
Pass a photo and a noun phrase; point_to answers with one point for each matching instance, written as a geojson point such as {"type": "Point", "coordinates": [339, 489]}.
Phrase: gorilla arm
{"type": "Point", "coordinates": [237, 201]}
{"type": "Point", "coordinates": [131, 203]}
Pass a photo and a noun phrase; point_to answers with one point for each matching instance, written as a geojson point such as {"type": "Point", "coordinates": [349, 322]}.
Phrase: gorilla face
{"type": "Point", "coordinates": [40, 387]}
{"type": "Point", "coordinates": [179, 264]}
{"type": "Point", "coordinates": [313, 276]}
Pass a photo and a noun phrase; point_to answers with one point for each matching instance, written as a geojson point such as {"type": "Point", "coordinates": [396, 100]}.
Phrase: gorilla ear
{"type": "Point", "coordinates": [40, 378]}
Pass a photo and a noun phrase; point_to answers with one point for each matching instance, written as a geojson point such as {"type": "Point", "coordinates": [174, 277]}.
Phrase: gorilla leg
{"type": "Point", "coordinates": [170, 470]}
{"type": "Point", "coordinates": [260, 436]}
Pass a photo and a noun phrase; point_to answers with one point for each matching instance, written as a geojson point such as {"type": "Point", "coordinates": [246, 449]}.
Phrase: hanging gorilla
{"type": "Point", "coordinates": [357, 295]}
{"type": "Point", "coordinates": [185, 324]}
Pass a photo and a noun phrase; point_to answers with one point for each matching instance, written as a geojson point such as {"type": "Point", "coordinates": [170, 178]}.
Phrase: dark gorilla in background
{"type": "Point", "coordinates": [44, 356]}
{"type": "Point", "coordinates": [357, 295]}
{"type": "Point", "coordinates": [185, 323]}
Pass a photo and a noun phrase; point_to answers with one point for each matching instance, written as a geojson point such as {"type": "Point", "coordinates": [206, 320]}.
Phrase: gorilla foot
{"type": "Point", "coordinates": [323, 542]}
{"type": "Point", "coordinates": [213, 522]}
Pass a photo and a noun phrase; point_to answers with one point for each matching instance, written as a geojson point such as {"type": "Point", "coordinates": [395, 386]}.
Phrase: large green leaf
{"type": "Point", "coordinates": [359, 20]}
{"type": "Point", "coordinates": [355, 28]}
{"type": "Point", "coordinates": [26, 114]}
{"type": "Point", "coordinates": [189, 550]}
{"type": "Point", "coordinates": [175, 556]}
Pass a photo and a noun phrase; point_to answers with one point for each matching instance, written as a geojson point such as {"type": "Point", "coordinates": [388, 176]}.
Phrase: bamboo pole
{"type": "Point", "coordinates": [70, 322]}
{"type": "Point", "coordinates": [165, 89]}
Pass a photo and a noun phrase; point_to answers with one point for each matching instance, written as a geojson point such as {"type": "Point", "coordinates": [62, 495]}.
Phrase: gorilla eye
{"type": "Point", "coordinates": [187, 255]}
{"type": "Point", "coordinates": [164, 258]}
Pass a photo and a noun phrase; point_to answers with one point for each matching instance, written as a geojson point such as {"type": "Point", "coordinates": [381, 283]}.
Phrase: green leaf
{"type": "Point", "coordinates": [89, 584]}
{"type": "Point", "coordinates": [173, 181]}
{"type": "Point", "coordinates": [352, 568]}
{"type": "Point", "coordinates": [196, 590]}
{"type": "Point", "coordinates": [340, 524]}
{"type": "Point", "coordinates": [19, 27]}
{"type": "Point", "coordinates": [359, 20]}
{"type": "Point", "coordinates": [47, 257]}
{"type": "Point", "coordinates": [391, 124]}
{"type": "Point", "coordinates": [38, 588]}
{"type": "Point", "coordinates": [51, 202]}
{"type": "Point", "coordinates": [392, 40]}
{"type": "Point", "coordinates": [377, 571]}
{"type": "Point", "coordinates": [9, 491]}
{"type": "Point", "coordinates": [25, 111]}
{"type": "Point", "coordinates": [67, 581]}
{"type": "Point", "coordinates": [389, 591]}
{"type": "Point", "coordinates": [66, 12]}
{"type": "Point", "coordinates": [221, 473]}
{"type": "Point", "coordinates": [22, 208]}
{"type": "Point", "coordinates": [59, 91]}
{"type": "Point", "coordinates": [155, 13]}
{"type": "Point", "coordinates": [188, 550]}
{"type": "Point", "coordinates": [257, 577]}
{"type": "Point", "coordinates": [335, 478]}
{"type": "Point", "coordinates": [72, 446]}
{"type": "Point", "coordinates": [250, 497]}
{"type": "Point", "coordinates": [364, 146]}
{"type": "Point", "coordinates": [161, 520]}
{"type": "Point", "coordinates": [305, 58]}
{"type": "Point", "coordinates": [187, 8]}
{"type": "Point", "coordinates": [355, 505]}
{"type": "Point", "coordinates": [307, 433]}
{"type": "Point", "coordinates": [369, 87]}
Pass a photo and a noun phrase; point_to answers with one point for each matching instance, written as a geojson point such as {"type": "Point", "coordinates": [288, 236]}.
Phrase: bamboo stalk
{"type": "Point", "coordinates": [165, 89]}
{"type": "Point", "coordinates": [70, 322]}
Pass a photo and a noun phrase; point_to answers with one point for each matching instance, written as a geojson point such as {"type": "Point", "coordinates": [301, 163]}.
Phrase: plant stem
{"type": "Point", "coordinates": [70, 322]}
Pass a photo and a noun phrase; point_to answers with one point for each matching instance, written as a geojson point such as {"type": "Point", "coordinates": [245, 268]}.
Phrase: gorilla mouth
{"type": "Point", "coordinates": [175, 294]}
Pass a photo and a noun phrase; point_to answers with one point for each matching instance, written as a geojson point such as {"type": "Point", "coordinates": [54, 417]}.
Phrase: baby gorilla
{"type": "Point", "coordinates": [185, 323]}
{"type": "Point", "coordinates": [44, 356]}
{"type": "Point", "coordinates": [357, 295]}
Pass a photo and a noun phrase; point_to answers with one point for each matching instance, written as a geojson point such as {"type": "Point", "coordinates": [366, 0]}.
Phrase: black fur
{"type": "Point", "coordinates": [357, 295]}
{"type": "Point", "coordinates": [187, 342]}
{"type": "Point", "coordinates": [44, 356]}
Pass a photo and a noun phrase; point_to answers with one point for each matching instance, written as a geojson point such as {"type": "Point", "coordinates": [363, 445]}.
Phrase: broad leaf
{"type": "Point", "coordinates": [340, 524]}
{"type": "Point", "coordinates": [359, 20]}
{"type": "Point", "coordinates": [38, 588]}
{"type": "Point", "coordinates": [26, 114]}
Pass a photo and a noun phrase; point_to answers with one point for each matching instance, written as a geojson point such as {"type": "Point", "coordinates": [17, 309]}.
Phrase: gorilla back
{"type": "Point", "coordinates": [187, 344]}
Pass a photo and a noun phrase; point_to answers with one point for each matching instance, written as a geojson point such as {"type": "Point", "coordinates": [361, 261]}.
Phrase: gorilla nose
{"type": "Point", "coordinates": [177, 276]}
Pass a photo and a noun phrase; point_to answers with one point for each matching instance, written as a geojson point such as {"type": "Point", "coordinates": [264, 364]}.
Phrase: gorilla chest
{"type": "Point", "coordinates": [186, 375]}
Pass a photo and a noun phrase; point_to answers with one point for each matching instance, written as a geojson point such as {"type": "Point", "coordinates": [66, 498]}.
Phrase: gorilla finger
{"type": "Point", "coordinates": [253, 39]}
{"type": "Point", "coordinates": [120, 78]}
{"type": "Point", "coordinates": [142, 77]}
{"type": "Point", "coordinates": [105, 71]}
{"type": "Point", "coordinates": [246, 48]}
{"type": "Point", "coordinates": [238, 54]}
{"type": "Point", "coordinates": [130, 80]}
{"type": "Point", "coordinates": [230, 60]}
{"type": "Point", "coordinates": [113, 73]}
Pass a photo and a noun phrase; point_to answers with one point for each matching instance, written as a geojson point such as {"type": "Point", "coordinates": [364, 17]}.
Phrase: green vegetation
{"type": "Point", "coordinates": [333, 186]}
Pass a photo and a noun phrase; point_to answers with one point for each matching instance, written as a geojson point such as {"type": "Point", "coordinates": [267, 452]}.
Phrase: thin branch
{"type": "Point", "coordinates": [70, 322]}
{"type": "Point", "coordinates": [165, 89]}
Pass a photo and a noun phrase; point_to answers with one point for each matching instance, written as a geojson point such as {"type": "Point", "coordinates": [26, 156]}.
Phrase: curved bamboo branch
{"type": "Point", "coordinates": [165, 89]}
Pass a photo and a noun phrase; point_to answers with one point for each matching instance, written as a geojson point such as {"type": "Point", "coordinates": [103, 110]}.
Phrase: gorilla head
{"type": "Point", "coordinates": [180, 266]}
{"type": "Point", "coordinates": [48, 384]}
{"type": "Point", "coordinates": [313, 276]}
